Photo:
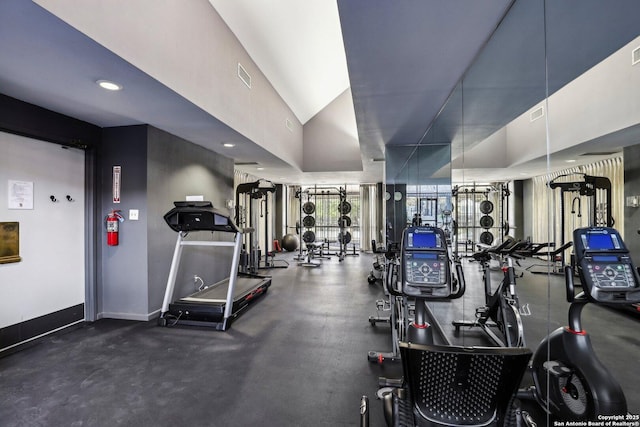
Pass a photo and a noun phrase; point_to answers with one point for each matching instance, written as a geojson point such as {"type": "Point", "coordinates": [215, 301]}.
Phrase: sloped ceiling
{"type": "Point", "coordinates": [404, 61]}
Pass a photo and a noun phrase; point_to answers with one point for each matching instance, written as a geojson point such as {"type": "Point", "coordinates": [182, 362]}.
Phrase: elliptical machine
{"type": "Point", "coordinates": [569, 380]}
{"type": "Point", "coordinates": [426, 274]}
{"type": "Point", "coordinates": [420, 270]}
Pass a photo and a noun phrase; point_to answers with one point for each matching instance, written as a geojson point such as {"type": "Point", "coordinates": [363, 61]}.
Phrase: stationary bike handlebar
{"type": "Point", "coordinates": [390, 279]}
{"type": "Point", "coordinates": [461, 282]}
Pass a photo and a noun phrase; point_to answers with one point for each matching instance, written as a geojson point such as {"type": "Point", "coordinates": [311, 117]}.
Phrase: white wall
{"type": "Point", "coordinates": [51, 275]}
{"type": "Point", "coordinates": [188, 47]}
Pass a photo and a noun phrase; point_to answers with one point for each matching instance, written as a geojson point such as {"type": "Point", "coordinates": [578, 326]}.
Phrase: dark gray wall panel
{"type": "Point", "coordinates": [122, 286]}
{"type": "Point", "coordinates": [177, 168]}
{"type": "Point", "coordinates": [527, 209]}
{"type": "Point", "coordinates": [157, 169]}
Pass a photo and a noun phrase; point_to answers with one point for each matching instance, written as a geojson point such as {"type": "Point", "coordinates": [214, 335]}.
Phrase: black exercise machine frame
{"type": "Point", "coordinates": [502, 308]}
{"type": "Point", "coordinates": [257, 190]}
{"type": "Point", "coordinates": [588, 187]}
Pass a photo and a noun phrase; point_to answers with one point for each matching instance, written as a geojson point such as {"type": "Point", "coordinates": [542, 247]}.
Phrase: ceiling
{"type": "Point", "coordinates": [419, 71]}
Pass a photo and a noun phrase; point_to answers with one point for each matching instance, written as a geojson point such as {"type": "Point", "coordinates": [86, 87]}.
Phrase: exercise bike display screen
{"type": "Point", "coordinates": [600, 241]}
{"type": "Point", "coordinates": [423, 240]}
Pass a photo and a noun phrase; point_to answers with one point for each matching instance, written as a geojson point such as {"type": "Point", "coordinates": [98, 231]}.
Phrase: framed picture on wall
{"type": "Point", "coordinates": [9, 242]}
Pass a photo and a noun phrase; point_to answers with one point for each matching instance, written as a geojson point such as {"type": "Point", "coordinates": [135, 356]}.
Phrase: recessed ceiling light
{"type": "Point", "coordinates": [260, 169]}
{"type": "Point", "coordinates": [228, 145]}
{"type": "Point", "coordinates": [108, 85]}
{"type": "Point", "coordinates": [570, 161]}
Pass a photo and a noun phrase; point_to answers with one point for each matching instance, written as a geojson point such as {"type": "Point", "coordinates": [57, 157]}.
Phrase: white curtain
{"type": "Point", "coordinates": [547, 216]}
{"type": "Point", "coordinates": [368, 216]}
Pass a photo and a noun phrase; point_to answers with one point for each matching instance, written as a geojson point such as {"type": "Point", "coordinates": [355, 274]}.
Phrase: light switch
{"type": "Point", "coordinates": [133, 214]}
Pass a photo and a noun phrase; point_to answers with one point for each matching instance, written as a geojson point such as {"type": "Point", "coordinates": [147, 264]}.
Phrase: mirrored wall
{"type": "Point", "coordinates": [553, 92]}
{"type": "Point", "coordinates": [539, 138]}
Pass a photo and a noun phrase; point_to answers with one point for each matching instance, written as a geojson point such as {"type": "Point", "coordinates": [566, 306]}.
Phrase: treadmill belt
{"type": "Point", "coordinates": [218, 292]}
{"type": "Point", "coordinates": [207, 307]}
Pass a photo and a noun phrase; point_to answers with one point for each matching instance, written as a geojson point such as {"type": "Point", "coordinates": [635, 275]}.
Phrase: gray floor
{"type": "Point", "coordinates": [296, 358]}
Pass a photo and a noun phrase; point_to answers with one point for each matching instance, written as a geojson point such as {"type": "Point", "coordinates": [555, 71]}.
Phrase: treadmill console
{"type": "Point", "coordinates": [425, 263]}
{"type": "Point", "coordinates": [198, 216]}
{"type": "Point", "coordinates": [605, 267]}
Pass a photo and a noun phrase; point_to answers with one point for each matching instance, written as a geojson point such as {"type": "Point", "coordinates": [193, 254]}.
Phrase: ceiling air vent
{"type": "Point", "coordinates": [537, 113]}
{"type": "Point", "coordinates": [635, 56]}
{"type": "Point", "coordinates": [244, 76]}
{"type": "Point", "coordinates": [600, 153]}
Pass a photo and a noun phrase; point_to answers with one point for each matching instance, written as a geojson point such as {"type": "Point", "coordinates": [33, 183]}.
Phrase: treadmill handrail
{"type": "Point", "coordinates": [236, 244]}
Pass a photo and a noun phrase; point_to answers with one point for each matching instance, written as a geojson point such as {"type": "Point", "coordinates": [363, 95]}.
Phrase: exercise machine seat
{"type": "Point", "coordinates": [456, 386]}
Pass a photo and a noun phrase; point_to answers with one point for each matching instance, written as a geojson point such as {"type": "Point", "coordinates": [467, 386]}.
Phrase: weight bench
{"type": "Point", "coordinates": [552, 261]}
{"type": "Point", "coordinates": [455, 386]}
{"type": "Point", "coordinates": [532, 249]}
{"type": "Point", "coordinates": [313, 252]}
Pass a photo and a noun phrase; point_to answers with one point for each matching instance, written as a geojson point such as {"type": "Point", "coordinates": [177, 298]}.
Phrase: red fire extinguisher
{"type": "Point", "coordinates": [112, 220]}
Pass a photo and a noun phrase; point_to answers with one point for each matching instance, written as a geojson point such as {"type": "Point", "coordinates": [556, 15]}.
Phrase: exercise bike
{"type": "Point", "coordinates": [443, 384]}
{"type": "Point", "coordinates": [502, 308]}
{"type": "Point", "coordinates": [570, 382]}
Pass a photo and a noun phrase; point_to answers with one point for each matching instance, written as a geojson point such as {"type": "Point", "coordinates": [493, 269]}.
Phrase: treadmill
{"type": "Point", "coordinates": [220, 304]}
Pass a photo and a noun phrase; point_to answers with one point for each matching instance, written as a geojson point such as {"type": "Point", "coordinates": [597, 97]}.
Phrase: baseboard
{"type": "Point", "coordinates": [21, 333]}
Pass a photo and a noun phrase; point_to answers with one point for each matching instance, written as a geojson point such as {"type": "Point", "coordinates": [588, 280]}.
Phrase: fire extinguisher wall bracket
{"type": "Point", "coordinates": [112, 223]}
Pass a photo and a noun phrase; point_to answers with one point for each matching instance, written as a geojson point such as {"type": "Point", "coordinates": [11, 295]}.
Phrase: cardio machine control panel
{"type": "Point", "coordinates": [606, 270]}
{"type": "Point", "coordinates": [198, 216]}
{"type": "Point", "coordinates": [425, 263]}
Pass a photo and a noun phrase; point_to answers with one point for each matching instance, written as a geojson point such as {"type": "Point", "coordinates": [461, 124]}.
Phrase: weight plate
{"type": "Point", "coordinates": [344, 207]}
{"type": "Point", "coordinates": [309, 221]}
{"type": "Point", "coordinates": [309, 236]}
{"type": "Point", "coordinates": [486, 207]}
{"type": "Point", "coordinates": [486, 237]}
{"type": "Point", "coordinates": [344, 238]}
{"type": "Point", "coordinates": [344, 221]}
{"type": "Point", "coordinates": [486, 221]}
{"type": "Point", "coordinates": [309, 208]}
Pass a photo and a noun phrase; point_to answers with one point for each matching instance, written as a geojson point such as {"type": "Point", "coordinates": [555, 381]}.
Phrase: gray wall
{"type": "Point", "coordinates": [527, 209]}
{"type": "Point", "coordinates": [175, 169]}
{"type": "Point", "coordinates": [327, 147]}
{"type": "Point", "coordinates": [157, 169]}
{"type": "Point", "coordinates": [122, 280]}
{"type": "Point", "coordinates": [518, 213]}
{"type": "Point", "coordinates": [632, 188]}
